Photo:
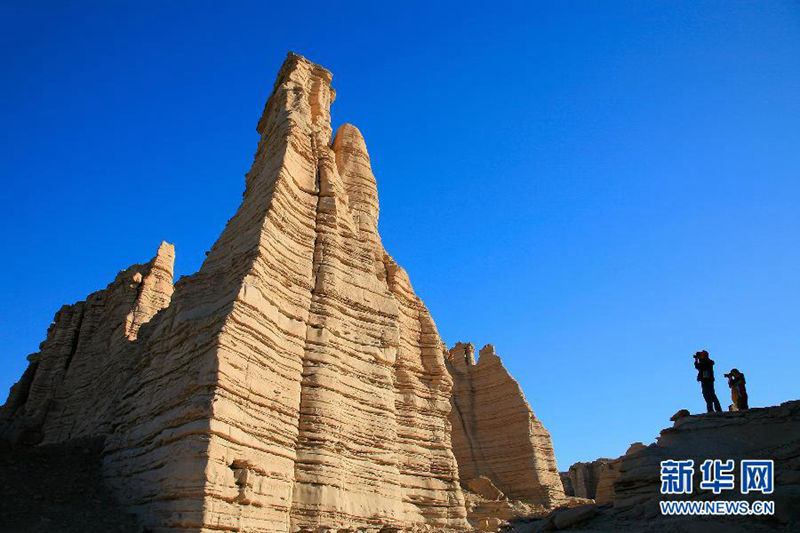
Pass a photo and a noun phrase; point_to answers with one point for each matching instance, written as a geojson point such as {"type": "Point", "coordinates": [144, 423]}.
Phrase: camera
{"type": "Point", "coordinates": [727, 375]}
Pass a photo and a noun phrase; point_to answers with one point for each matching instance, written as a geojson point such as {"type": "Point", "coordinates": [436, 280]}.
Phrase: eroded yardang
{"type": "Point", "coordinates": [294, 382]}
{"type": "Point", "coordinates": [495, 433]}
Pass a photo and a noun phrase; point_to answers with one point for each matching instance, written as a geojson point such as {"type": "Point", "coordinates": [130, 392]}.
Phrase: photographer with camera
{"type": "Point", "coordinates": [705, 375]}
{"type": "Point", "coordinates": [738, 390]}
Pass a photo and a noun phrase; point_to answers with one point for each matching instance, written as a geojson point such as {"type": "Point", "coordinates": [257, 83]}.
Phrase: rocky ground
{"type": "Point", "coordinates": [58, 488]}
{"type": "Point", "coordinates": [763, 433]}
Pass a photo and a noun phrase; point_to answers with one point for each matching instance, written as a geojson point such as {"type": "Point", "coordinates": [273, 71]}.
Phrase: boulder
{"type": "Point", "coordinates": [483, 486]}
{"type": "Point", "coordinates": [680, 414]}
{"type": "Point", "coordinates": [574, 516]}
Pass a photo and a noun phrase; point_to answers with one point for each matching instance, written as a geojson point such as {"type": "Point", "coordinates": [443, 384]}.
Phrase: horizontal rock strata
{"type": "Point", "coordinates": [71, 385]}
{"type": "Point", "coordinates": [495, 433]}
{"type": "Point", "coordinates": [295, 382]}
{"type": "Point", "coordinates": [595, 480]}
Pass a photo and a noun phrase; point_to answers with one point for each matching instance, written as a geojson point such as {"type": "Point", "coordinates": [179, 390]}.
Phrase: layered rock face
{"type": "Point", "coordinates": [761, 433]}
{"type": "Point", "coordinates": [295, 382]}
{"type": "Point", "coordinates": [583, 478]}
{"type": "Point", "coordinates": [595, 480]}
{"type": "Point", "coordinates": [495, 433]}
{"type": "Point", "coordinates": [70, 387]}
{"type": "Point", "coordinates": [316, 376]}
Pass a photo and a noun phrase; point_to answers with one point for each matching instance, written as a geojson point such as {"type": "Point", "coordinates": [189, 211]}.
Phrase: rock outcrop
{"type": "Point", "coordinates": [495, 433]}
{"type": "Point", "coordinates": [595, 480]}
{"type": "Point", "coordinates": [295, 382]}
{"type": "Point", "coordinates": [762, 433]}
{"type": "Point", "coordinates": [581, 479]}
{"type": "Point", "coordinates": [70, 387]}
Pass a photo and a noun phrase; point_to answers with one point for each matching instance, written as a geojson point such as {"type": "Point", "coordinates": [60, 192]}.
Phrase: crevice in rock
{"type": "Point", "coordinates": [75, 341]}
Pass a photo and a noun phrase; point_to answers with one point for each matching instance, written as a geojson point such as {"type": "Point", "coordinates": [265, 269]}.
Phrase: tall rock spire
{"type": "Point", "coordinates": [295, 381]}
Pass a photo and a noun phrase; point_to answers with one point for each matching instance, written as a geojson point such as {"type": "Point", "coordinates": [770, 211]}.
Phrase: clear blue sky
{"type": "Point", "coordinates": [599, 189]}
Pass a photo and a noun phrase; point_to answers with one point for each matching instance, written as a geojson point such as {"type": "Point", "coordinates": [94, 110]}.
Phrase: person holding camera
{"type": "Point", "coordinates": [738, 390]}
{"type": "Point", "coordinates": [705, 375]}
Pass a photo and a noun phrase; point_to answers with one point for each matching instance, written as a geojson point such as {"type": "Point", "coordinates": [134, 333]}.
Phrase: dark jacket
{"type": "Point", "coordinates": [705, 369]}
{"type": "Point", "coordinates": [738, 381]}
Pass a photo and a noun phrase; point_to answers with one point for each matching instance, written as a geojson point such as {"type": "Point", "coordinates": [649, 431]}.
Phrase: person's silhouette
{"type": "Point", "coordinates": [705, 375]}
{"type": "Point", "coordinates": [738, 389]}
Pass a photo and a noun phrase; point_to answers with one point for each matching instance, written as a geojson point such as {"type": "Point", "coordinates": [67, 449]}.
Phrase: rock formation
{"type": "Point", "coordinates": [566, 481]}
{"type": "Point", "coordinates": [761, 433]}
{"type": "Point", "coordinates": [295, 382]}
{"type": "Point", "coordinates": [595, 480]}
{"type": "Point", "coordinates": [70, 386]}
{"type": "Point", "coordinates": [582, 478]}
{"type": "Point", "coordinates": [495, 433]}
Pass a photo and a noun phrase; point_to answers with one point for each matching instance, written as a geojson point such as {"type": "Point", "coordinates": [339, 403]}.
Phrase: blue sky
{"type": "Point", "coordinates": [599, 189]}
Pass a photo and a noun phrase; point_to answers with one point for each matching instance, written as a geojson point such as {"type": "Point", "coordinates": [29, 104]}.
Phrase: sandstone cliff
{"type": "Point", "coordinates": [495, 433]}
{"type": "Point", "coordinates": [295, 382]}
{"type": "Point", "coordinates": [595, 480]}
{"type": "Point", "coordinates": [70, 387]}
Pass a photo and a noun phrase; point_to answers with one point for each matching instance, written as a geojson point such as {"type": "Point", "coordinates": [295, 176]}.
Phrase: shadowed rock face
{"type": "Point", "coordinates": [761, 433]}
{"type": "Point", "coordinates": [294, 382]}
{"type": "Point", "coordinates": [595, 480]}
{"type": "Point", "coordinates": [71, 385]}
{"type": "Point", "coordinates": [495, 433]}
{"type": "Point", "coordinates": [583, 478]}
{"type": "Point", "coordinates": [58, 488]}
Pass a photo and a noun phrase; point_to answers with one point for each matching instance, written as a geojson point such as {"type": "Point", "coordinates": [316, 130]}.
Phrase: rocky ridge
{"type": "Point", "coordinates": [760, 433]}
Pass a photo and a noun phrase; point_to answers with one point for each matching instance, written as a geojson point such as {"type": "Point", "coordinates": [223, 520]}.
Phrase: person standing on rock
{"type": "Point", "coordinates": [738, 390]}
{"type": "Point", "coordinates": [705, 375]}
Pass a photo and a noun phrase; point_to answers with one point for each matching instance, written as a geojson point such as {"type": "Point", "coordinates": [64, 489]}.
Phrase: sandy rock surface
{"type": "Point", "coordinates": [495, 433]}
{"type": "Point", "coordinates": [295, 382]}
{"type": "Point", "coordinates": [71, 386]}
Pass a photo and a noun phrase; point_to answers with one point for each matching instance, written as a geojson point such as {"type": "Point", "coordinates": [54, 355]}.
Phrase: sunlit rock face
{"type": "Point", "coordinates": [71, 386]}
{"type": "Point", "coordinates": [295, 382]}
{"type": "Point", "coordinates": [495, 433]}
